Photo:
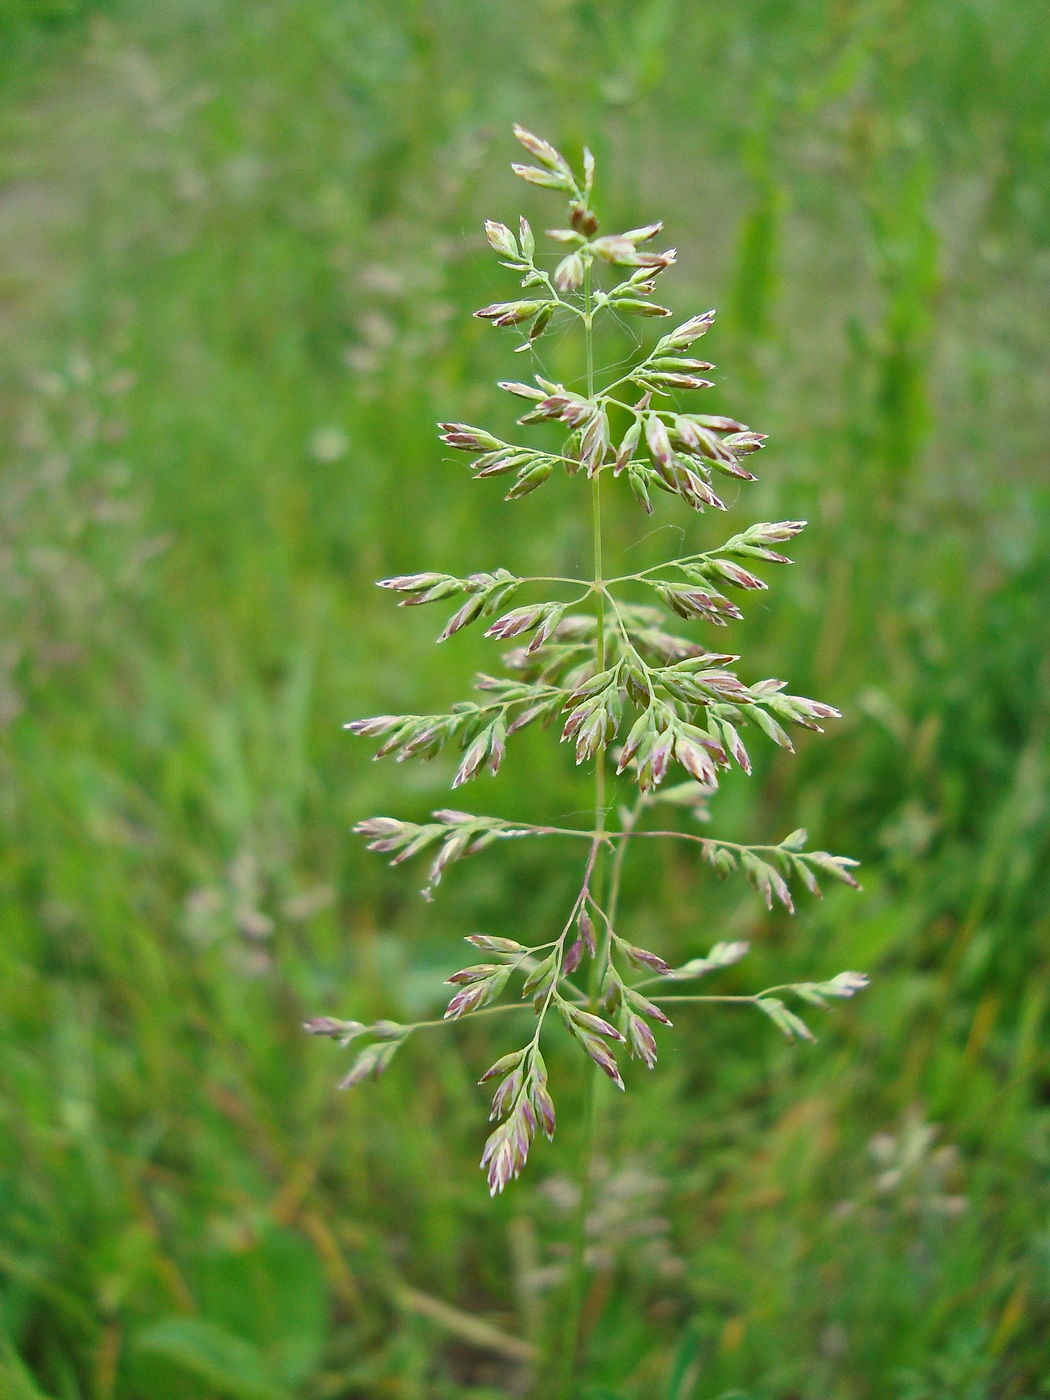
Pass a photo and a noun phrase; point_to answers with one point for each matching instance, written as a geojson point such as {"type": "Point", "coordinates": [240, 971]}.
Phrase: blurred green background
{"type": "Point", "coordinates": [239, 245]}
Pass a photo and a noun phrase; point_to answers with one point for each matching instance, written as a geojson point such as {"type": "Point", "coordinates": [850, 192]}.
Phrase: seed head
{"type": "Point", "coordinates": [642, 691]}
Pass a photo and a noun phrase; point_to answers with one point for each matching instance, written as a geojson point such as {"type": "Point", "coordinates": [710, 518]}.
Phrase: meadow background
{"type": "Point", "coordinates": [239, 245]}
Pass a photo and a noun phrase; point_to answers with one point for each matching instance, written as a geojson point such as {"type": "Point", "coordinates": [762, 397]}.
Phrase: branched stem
{"type": "Point", "coordinates": [623, 837]}
{"type": "Point", "coordinates": [470, 1016]}
{"type": "Point", "coordinates": [525, 829]}
{"type": "Point", "coordinates": [703, 840]}
{"type": "Point", "coordinates": [540, 578]}
{"type": "Point", "coordinates": [559, 943]}
{"type": "Point", "coordinates": [578, 1265]}
{"type": "Point", "coordinates": [752, 1000]}
{"type": "Point", "coordinates": [602, 689]}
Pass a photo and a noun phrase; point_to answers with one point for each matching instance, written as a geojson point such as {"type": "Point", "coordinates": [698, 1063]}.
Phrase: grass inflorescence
{"type": "Point", "coordinates": [237, 246]}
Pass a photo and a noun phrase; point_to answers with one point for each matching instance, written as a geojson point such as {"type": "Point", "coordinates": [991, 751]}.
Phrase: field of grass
{"type": "Point", "coordinates": [239, 245]}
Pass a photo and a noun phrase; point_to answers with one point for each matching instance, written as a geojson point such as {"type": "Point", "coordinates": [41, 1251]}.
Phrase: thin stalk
{"type": "Point", "coordinates": [578, 1264]}
{"type": "Point", "coordinates": [570, 1345]}
{"type": "Point", "coordinates": [513, 829]}
{"type": "Point", "coordinates": [621, 853]}
{"type": "Point", "coordinates": [704, 840]}
{"type": "Point", "coordinates": [596, 532]}
{"type": "Point", "coordinates": [541, 578]}
{"type": "Point", "coordinates": [444, 1023]}
{"type": "Point", "coordinates": [752, 1000]}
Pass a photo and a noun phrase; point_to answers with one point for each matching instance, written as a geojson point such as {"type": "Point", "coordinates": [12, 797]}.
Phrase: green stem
{"type": "Point", "coordinates": [570, 1344]}
{"type": "Point", "coordinates": [596, 531]}
{"type": "Point", "coordinates": [578, 1265]}
{"type": "Point", "coordinates": [740, 1001]}
{"type": "Point", "coordinates": [751, 1000]}
{"type": "Point", "coordinates": [445, 1024]}
{"type": "Point", "coordinates": [540, 578]}
{"type": "Point", "coordinates": [709, 841]}
{"type": "Point", "coordinates": [621, 852]}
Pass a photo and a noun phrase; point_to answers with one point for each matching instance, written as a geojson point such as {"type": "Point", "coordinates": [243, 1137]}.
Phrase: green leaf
{"type": "Point", "coordinates": [214, 1356]}
{"type": "Point", "coordinates": [16, 1382]}
{"type": "Point", "coordinates": [685, 1372]}
{"type": "Point", "coordinates": [274, 1295]}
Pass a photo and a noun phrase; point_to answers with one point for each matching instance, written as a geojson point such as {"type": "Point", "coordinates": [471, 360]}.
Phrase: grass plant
{"type": "Point", "coordinates": [609, 671]}
{"type": "Point", "coordinates": [236, 243]}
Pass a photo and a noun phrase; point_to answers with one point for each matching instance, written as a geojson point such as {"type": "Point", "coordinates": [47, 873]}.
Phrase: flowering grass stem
{"type": "Point", "coordinates": [577, 1278]}
{"type": "Point", "coordinates": [618, 682]}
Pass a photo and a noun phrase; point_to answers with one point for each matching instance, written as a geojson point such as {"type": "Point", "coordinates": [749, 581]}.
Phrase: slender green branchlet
{"type": "Point", "coordinates": [607, 660]}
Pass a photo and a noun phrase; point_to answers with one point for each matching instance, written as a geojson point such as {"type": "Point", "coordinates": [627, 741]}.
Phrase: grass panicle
{"type": "Point", "coordinates": [237, 241]}
{"type": "Point", "coordinates": [634, 699]}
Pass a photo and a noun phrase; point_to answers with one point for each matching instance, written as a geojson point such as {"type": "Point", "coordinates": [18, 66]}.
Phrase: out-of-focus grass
{"type": "Point", "coordinates": [240, 245]}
